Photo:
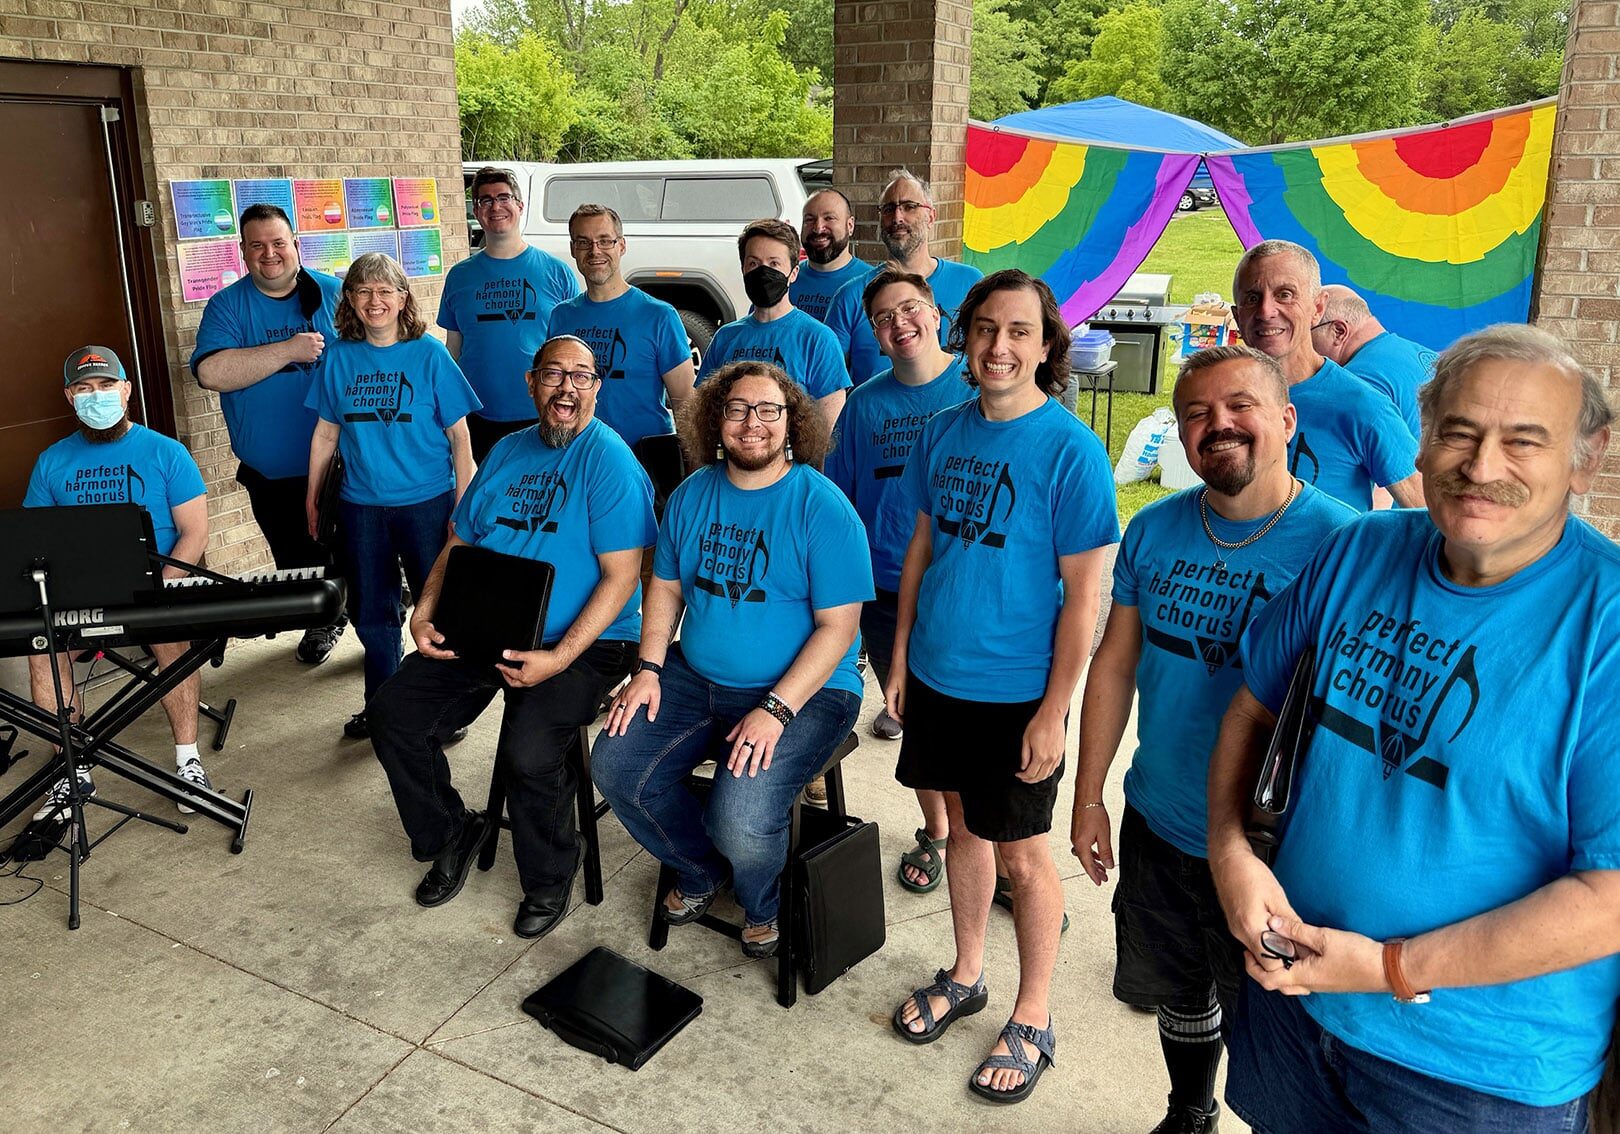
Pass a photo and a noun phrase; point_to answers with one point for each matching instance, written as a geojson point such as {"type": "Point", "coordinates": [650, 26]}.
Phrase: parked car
{"type": "Point", "coordinates": [681, 221]}
{"type": "Point", "coordinates": [1199, 194]}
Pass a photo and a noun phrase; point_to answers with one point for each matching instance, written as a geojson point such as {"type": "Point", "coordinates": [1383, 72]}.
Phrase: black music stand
{"type": "Point", "coordinates": [69, 559]}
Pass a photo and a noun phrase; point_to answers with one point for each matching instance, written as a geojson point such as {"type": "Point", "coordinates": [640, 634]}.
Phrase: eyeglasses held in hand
{"type": "Point", "coordinates": [737, 410]}
{"type": "Point", "coordinates": [907, 309]}
{"type": "Point", "coordinates": [585, 244]}
{"type": "Point", "coordinates": [554, 375]}
{"type": "Point", "coordinates": [485, 200]}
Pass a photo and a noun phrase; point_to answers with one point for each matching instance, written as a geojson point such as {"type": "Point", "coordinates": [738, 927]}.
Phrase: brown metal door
{"type": "Point", "coordinates": [63, 267]}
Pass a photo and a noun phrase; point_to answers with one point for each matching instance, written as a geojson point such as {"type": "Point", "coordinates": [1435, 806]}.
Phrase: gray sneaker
{"type": "Point", "coordinates": [56, 800]}
{"type": "Point", "coordinates": [886, 727]}
{"type": "Point", "coordinates": [192, 772]}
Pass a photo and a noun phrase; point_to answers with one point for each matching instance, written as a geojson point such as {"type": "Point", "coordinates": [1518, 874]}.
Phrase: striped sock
{"type": "Point", "coordinates": [1191, 1040]}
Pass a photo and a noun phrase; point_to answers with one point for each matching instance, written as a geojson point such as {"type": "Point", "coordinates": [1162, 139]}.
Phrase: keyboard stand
{"type": "Point", "coordinates": [143, 670]}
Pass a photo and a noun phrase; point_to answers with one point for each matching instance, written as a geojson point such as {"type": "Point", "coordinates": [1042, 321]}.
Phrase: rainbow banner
{"type": "Point", "coordinates": [1435, 227]}
{"type": "Point", "coordinates": [1082, 217]}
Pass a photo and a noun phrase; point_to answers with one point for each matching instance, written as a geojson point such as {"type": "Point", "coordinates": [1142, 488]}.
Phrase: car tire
{"type": "Point", "coordinates": [699, 333]}
{"type": "Point", "coordinates": [1188, 203]}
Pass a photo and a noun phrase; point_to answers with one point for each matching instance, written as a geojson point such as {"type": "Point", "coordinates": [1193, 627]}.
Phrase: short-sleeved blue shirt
{"type": "Point", "coordinates": [812, 290]}
{"type": "Point", "coordinates": [141, 467]}
{"type": "Point", "coordinates": [798, 344]}
{"type": "Point", "coordinates": [880, 423]}
{"type": "Point", "coordinates": [847, 318]}
{"type": "Point", "coordinates": [564, 507]}
{"type": "Point", "coordinates": [755, 565]}
{"type": "Point", "coordinates": [268, 423]}
{"type": "Point", "coordinates": [1005, 500]}
{"type": "Point", "coordinates": [1396, 367]}
{"type": "Point", "coordinates": [637, 340]}
{"type": "Point", "coordinates": [1192, 615]}
{"type": "Point", "coordinates": [1349, 437]}
{"type": "Point", "coordinates": [501, 309]}
{"type": "Point", "coordinates": [1464, 758]}
{"type": "Point", "coordinates": [392, 405]}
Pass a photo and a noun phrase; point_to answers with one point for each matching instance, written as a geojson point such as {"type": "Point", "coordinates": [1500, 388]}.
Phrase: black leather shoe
{"type": "Point", "coordinates": [1190, 1120]}
{"type": "Point", "coordinates": [538, 916]}
{"type": "Point", "coordinates": [448, 873]}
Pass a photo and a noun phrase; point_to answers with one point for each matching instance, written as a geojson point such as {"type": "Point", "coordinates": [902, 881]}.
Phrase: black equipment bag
{"type": "Point", "coordinates": [1280, 770]}
{"type": "Point", "coordinates": [610, 1006]}
{"type": "Point", "coordinates": [326, 503]}
{"type": "Point", "coordinates": [838, 885]}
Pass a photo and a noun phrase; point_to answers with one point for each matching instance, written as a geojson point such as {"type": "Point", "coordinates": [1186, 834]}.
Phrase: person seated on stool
{"type": "Point", "coordinates": [566, 490]}
{"type": "Point", "coordinates": [768, 561]}
{"type": "Point", "coordinates": [111, 460]}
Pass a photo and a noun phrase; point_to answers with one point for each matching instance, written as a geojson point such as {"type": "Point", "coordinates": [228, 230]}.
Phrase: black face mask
{"type": "Point", "coordinates": [764, 286]}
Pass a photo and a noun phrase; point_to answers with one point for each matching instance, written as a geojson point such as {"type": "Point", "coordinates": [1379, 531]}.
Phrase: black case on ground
{"type": "Point", "coordinates": [838, 883]}
{"type": "Point", "coordinates": [610, 1006]}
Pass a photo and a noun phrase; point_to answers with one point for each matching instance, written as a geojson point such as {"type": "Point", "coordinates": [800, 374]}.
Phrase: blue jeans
{"type": "Point", "coordinates": [377, 540]}
{"type": "Point", "coordinates": [642, 774]}
{"type": "Point", "coordinates": [1285, 1074]}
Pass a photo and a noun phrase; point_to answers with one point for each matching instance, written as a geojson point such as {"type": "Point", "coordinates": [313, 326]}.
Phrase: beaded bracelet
{"type": "Point", "coordinates": [778, 708]}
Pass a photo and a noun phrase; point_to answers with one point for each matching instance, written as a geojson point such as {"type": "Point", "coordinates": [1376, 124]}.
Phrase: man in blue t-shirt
{"type": "Point", "coordinates": [112, 460]}
{"type": "Point", "coordinates": [642, 353]}
{"type": "Point", "coordinates": [1351, 335]}
{"type": "Point", "coordinates": [497, 306]}
{"type": "Point", "coordinates": [825, 230]}
{"type": "Point", "coordinates": [259, 344]}
{"type": "Point", "coordinates": [776, 332]}
{"type": "Point", "coordinates": [1448, 877]}
{"type": "Point", "coordinates": [906, 224]}
{"type": "Point", "coordinates": [1349, 439]}
{"type": "Point", "coordinates": [1013, 511]}
{"type": "Point", "coordinates": [1193, 570]}
{"type": "Point", "coordinates": [566, 491]}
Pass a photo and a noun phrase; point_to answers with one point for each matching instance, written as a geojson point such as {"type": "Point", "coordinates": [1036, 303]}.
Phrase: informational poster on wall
{"type": "Point", "coordinates": [208, 266]}
{"type": "Point", "coordinates": [319, 204]}
{"type": "Point", "coordinates": [277, 191]}
{"type": "Point", "coordinates": [421, 252]}
{"type": "Point", "coordinates": [385, 241]}
{"type": "Point", "coordinates": [203, 209]}
{"type": "Point", "coordinates": [417, 199]}
{"type": "Point", "coordinates": [325, 252]}
{"type": "Point", "coordinates": [370, 201]}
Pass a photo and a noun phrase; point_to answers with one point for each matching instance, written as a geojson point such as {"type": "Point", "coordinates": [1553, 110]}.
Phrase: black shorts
{"type": "Point", "coordinates": [878, 619]}
{"type": "Point", "coordinates": [1170, 934]}
{"type": "Point", "coordinates": [974, 748]}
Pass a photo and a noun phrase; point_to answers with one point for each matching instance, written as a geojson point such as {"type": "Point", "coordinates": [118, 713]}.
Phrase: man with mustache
{"type": "Point", "coordinates": [566, 490]}
{"type": "Point", "coordinates": [906, 224]}
{"type": "Point", "coordinates": [1349, 438]}
{"type": "Point", "coordinates": [1447, 889]}
{"type": "Point", "coordinates": [1192, 571]}
{"type": "Point", "coordinates": [827, 227]}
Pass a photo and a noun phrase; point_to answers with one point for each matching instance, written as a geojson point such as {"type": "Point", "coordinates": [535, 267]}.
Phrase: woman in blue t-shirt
{"type": "Point", "coordinates": [397, 403]}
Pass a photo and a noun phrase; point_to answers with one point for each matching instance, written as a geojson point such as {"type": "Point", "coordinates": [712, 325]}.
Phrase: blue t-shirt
{"type": "Point", "coordinates": [565, 507]}
{"type": "Point", "coordinates": [392, 405]}
{"type": "Point", "coordinates": [1396, 367]}
{"type": "Point", "coordinates": [1192, 617]}
{"type": "Point", "coordinates": [880, 423]}
{"type": "Point", "coordinates": [141, 467]}
{"type": "Point", "coordinates": [812, 291]}
{"type": "Point", "coordinates": [797, 343]}
{"type": "Point", "coordinates": [1465, 757]}
{"type": "Point", "coordinates": [270, 426]}
{"type": "Point", "coordinates": [847, 318]}
{"type": "Point", "coordinates": [755, 565]}
{"type": "Point", "coordinates": [1349, 437]}
{"type": "Point", "coordinates": [501, 308]}
{"type": "Point", "coordinates": [1005, 500]}
{"type": "Point", "coordinates": [637, 340]}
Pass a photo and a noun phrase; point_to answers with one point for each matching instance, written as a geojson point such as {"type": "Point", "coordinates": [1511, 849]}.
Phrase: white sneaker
{"type": "Point", "coordinates": [56, 800]}
{"type": "Point", "coordinates": [886, 727]}
{"type": "Point", "coordinates": [192, 772]}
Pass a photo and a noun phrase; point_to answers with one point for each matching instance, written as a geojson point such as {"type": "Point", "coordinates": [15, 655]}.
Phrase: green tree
{"type": "Point", "coordinates": [1492, 55]}
{"type": "Point", "coordinates": [1125, 59]}
{"type": "Point", "coordinates": [1003, 79]}
{"type": "Point", "coordinates": [1062, 34]}
{"type": "Point", "coordinates": [515, 102]}
{"type": "Point", "coordinates": [809, 43]}
{"type": "Point", "coordinates": [1284, 70]}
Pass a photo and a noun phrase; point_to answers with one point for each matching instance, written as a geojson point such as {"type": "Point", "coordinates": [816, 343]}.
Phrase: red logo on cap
{"type": "Point", "coordinates": [91, 359]}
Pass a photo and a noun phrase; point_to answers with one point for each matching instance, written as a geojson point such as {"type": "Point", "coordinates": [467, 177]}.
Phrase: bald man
{"type": "Point", "coordinates": [1351, 335]}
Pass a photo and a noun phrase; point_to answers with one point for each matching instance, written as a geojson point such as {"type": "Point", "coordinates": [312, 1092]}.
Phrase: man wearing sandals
{"type": "Point", "coordinates": [1192, 571]}
{"type": "Point", "coordinates": [1447, 889]}
{"type": "Point", "coordinates": [768, 562]}
{"type": "Point", "coordinates": [879, 425]}
{"type": "Point", "coordinates": [1013, 506]}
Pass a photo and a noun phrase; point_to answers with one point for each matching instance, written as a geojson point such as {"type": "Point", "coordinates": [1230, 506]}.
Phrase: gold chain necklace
{"type": "Point", "coordinates": [1222, 545]}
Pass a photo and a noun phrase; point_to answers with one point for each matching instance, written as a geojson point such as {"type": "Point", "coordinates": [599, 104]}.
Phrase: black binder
{"type": "Point", "coordinates": [838, 883]}
{"type": "Point", "coordinates": [1279, 771]}
{"type": "Point", "coordinates": [610, 1006]}
{"type": "Point", "coordinates": [490, 602]}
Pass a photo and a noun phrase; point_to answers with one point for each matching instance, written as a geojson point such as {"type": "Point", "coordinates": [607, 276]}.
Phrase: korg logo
{"type": "Point", "coordinates": [89, 616]}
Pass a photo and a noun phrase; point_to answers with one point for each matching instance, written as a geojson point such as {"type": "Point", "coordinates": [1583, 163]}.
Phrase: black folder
{"type": "Point", "coordinates": [490, 602]}
{"type": "Point", "coordinates": [610, 1006]}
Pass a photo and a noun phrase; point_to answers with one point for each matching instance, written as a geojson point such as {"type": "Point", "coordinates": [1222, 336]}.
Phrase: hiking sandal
{"type": "Point", "coordinates": [964, 1000]}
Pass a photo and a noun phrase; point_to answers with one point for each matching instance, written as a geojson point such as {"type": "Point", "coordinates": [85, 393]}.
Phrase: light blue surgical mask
{"type": "Point", "coordinates": [99, 409]}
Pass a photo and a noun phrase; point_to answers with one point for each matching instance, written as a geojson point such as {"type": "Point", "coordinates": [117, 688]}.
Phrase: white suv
{"type": "Point", "coordinates": [681, 221]}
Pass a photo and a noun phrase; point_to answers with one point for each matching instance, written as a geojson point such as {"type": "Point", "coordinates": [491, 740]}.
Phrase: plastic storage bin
{"type": "Point", "coordinates": [1090, 350]}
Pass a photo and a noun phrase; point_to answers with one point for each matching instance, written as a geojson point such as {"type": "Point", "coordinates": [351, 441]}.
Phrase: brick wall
{"type": "Point", "coordinates": [1578, 288]}
{"type": "Point", "coordinates": [900, 98]}
{"type": "Point", "coordinates": [275, 88]}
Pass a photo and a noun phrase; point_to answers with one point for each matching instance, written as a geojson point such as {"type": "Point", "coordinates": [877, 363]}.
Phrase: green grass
{"type": "Point", "coordinates": [1199, 251]}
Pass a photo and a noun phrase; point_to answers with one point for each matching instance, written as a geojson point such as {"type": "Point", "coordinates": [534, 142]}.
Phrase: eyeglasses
{"type": "Point", "coordinates": [554, 375]}
{"type": "Point", "coordinates": [1324, 323]}
{"type": "Point", "coordinates": [907, 309]}
{"type": "Point", "coordinates": [383, 293]}
{"type": "Point", "coordinates": [485, 200]}
{"type": "Point", "coordinates": [889, 208]}
{"type": "Point", "coordinates": [738, 410]}
{"type": "Point", "coordinates": [601, 243]}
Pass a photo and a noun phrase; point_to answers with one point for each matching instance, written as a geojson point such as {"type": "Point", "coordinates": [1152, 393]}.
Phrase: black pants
{"type": "Point", "coordinates": [426, 700]}
{"type": "Point", "coordinates": [278, 509]}
{"type": "Point", "coordinates": [484, 433]}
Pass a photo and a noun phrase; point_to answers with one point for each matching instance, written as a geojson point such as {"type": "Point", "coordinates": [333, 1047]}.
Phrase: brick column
{"type": "Point", "coordinates": [900, 98]}
{"type": "Point", "coordinates": [1578, 287]}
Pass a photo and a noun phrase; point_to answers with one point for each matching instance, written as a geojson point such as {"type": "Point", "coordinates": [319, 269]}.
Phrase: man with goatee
{"type": "Point", "coordinates": [827, 227]}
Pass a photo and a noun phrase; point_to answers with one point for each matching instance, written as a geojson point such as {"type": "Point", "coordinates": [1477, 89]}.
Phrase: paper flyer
{"type": "Point", "coordinates": [325, 252]}
{"type": "Point", "coordinates": [416, 200]}
{"type": "Point", "coordinates": [370, 201]}
{"type": "Point", "coordinates": [276, 191]}
{"type": "Point", "coordinates": [319, 205]}
{"type": "Point", "coordinates": [203, 209]}
{"type": "Point", "coordinates": [386, 241]}
{"type": "Point", "coordinates": [421, 253]}
{"type": "Point", "coordinates": [207, 267]}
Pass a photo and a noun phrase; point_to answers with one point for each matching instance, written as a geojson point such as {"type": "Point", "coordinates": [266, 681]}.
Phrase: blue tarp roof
{"type": "Point", "coordinates": [1110, 119]}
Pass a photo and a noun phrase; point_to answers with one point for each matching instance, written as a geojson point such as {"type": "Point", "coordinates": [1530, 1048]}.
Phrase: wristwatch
{"type": "Point", "coordinates": [1400, 987]}
{"type": "Point", "coordinates": [650, 667]}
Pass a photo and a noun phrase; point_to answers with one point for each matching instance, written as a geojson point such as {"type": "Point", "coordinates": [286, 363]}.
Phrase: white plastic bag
{"type": "Point", "coordinates": [1142, 446]}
